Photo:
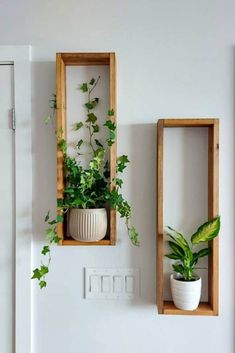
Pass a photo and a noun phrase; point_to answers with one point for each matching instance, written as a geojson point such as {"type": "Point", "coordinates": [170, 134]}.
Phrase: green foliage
{"type": "Point", "coordinates": [84, 87]}
{"type": "Point", "coordinates": [92, 104]}
{"type": "Point", "coordinates": [111, 112]}
{"type": "Point", "coordinates": [53, 106]}
{"type": "Point", "coordinates": [122, 163]}
{"type": "Point", "coordinates": [51, 236]}
{"type": "Point", "coordinates": [78, 125]}
{"type": "Point", "coordinates": [91, 118]}
{"type": "Point", "coordinates": [183, 252]}
{"type": "Point", "coordinates": [88, 187]}
{"type": "Point", "coordinates": [80, 142]}
{"type": "Point", "coordinates": [92, 81]}
{"type": "Point", "coordinates": [206, 231]}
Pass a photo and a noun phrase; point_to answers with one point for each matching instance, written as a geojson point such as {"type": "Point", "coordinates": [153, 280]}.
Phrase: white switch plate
{"type": "Point", "coordinates": [114, 283]}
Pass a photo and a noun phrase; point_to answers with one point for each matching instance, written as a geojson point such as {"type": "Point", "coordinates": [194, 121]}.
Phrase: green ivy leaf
{"type": "Point", "coordinates": [91, 118]}
{"type": "Point", "coordinates": [92, 104]}
{"type": "Point", "coordinates": [123, 159]}
{"type": "Point", "coordinates": [50, 233]}
{"type": "Point", "coordinates": [119, 182]}
{"type": "Point", "coordinates": [56, 239]}
{"type": "Point", "coordinates": [134, 236]}
{"type": "Point", "coordinates": [52, 102]}
{"type": "Point", "coordinates": [80, 142]}
{"type": "Point", "coordinates": [36, 274]}
{"type": "Point", "coordinates": [62, 144]}
{"type": "Point", "coordinates": [92, 81]}
{"type": "Point", "coordinates": [45, 250]}
{"type": "Point", "coordinates": [100, 153]}
{"type": "Point", "coordinates": [122, 163]}
{"type": "Point", "coordinates": [95, 128]}
{"type": "Point", "coordinates": [111, 135]}
{"type": "Point", "coordinates": [110, 125]}
{"type": "Point", "coordinates": [84, 87]}
{"type": "Point", "coordinates": [111, 112]}
{"type": "Point", "coordinates": [44, 270]}
{"type": "Point", "coordinates": [42, 284]}
{"type": "Point", "coordinates": [110, 142]}
{"type": "Point", "coordinates": [47, 216]}
{"type": "Point", "coordinates": [98, 143]}
{"type": "Point", "coordinates": [89, 105]}
{"type": "Point", "coordinates": [48, 119]}
{"type": "Point", "coordinates": [78, 125]}
{"type": "Point", "coordinates": [59, 218]}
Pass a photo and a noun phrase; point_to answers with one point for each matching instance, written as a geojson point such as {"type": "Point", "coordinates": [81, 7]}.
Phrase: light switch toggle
{"type": "Point", "coordinates": [94, 283]}
{"type": "Point", "coordinates": [105, 284]}
{"type": "Point", "coordinates": [129, 281]}
{"type": "Point", "coordinates": [117, 284]}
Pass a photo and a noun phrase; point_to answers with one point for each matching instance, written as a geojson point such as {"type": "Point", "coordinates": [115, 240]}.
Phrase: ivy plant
{"type": "Point", "coordinates": [184, 253]}
{"type": "Point", "coordinates": [87, 187]}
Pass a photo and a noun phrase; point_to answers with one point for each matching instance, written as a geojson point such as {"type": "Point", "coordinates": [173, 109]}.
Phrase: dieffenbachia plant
{"type": "Point", "coordinates": [184, 253]}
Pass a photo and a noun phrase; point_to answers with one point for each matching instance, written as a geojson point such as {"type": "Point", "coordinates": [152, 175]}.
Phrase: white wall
{"type": "Point", "coordinates": [175, 58]}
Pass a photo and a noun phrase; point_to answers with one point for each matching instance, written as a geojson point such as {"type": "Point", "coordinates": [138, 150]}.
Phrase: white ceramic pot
{"type": "Point", "coordinates": [186, 295]}
{"type": "Point", "coordinates": [87, 224]}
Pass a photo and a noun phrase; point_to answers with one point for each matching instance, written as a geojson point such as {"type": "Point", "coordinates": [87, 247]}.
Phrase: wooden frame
{"type": "Point", "coordinates": [211, 307]}
{"type": "Point", "coordinates": [76, 59]}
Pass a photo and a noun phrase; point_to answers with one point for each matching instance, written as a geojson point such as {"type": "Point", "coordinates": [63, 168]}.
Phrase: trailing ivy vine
{"type": "Point", "coordinates": [87, 187]}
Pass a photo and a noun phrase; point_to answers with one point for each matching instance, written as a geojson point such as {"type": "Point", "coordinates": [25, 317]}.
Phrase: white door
{"type": "Point", "coordinates": [7, 209]}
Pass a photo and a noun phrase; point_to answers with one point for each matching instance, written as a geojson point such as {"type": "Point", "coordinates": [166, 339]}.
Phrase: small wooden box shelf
{"type": "Point", "coordinates": [210, 307]}
{"type": "Point", "coordinates": [85, 59]}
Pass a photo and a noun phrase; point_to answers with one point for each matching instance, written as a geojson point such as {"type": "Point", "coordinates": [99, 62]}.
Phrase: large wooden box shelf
{"type": "Point", "coordinates": [210, 307]}
{"type": "Point", "coordinates": [86, 59]}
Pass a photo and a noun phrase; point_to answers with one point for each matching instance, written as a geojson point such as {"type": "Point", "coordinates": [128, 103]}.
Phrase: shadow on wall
{"type": "Point", "coordinates": [139, 143]}
{"type": "Point", "coordinates": [43, 146]}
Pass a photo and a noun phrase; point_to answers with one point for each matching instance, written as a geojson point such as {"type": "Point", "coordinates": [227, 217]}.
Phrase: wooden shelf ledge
{"type": "Point", "coordinates": [204, 309]}
{"type": "Point", "coordinates": [76, 243]}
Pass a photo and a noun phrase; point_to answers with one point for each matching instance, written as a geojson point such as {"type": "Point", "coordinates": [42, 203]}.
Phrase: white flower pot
{"type": "Point", "coordinates": [186, 295]}
{"type": "Point", "coordinates": [87, 224]}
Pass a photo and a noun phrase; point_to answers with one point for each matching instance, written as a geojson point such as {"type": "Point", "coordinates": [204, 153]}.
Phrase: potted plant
{"type": "Point", "coordinates": [88, 190]}
{"type": "Point", "coordinates": [185, 283]}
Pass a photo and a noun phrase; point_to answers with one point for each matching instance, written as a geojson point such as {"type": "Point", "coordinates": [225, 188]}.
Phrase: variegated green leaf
{"type": "Point", "coordinates": [197, 255]}
{"type": "Point", "coordinates": [173, 256]}
{"type": "Point", "coordinates": [178, 269]}
{"type": "Point", "coordinates": [206, 231]}
{"type": "Point", "coordinates": [176, 248]}
{"type": "Point", "coordinates": [179, 239]}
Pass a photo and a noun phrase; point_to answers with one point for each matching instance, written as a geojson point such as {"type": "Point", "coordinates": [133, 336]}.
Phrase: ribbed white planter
{"type": "Point", "coordinates": [186, 295]}
{"type": "Point", "coordinates": [87, 224]}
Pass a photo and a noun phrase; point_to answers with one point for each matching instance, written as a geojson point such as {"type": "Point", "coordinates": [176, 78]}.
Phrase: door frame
{"type": "Point", "coordinates": [20, 56]}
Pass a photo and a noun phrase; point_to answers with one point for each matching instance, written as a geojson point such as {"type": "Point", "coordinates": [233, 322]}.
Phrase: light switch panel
{"type": "Point", "coordinates": [112, 283]}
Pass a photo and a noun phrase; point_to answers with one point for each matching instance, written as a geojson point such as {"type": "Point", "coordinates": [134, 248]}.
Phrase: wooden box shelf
{"type": "Point", "coordinates": [210, 307]}
{"type": "Point", "coordinates": [86, 59]}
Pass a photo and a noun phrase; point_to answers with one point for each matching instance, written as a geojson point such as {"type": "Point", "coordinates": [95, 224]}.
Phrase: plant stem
{"type": "Point", "coordinates": [95, 84]}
